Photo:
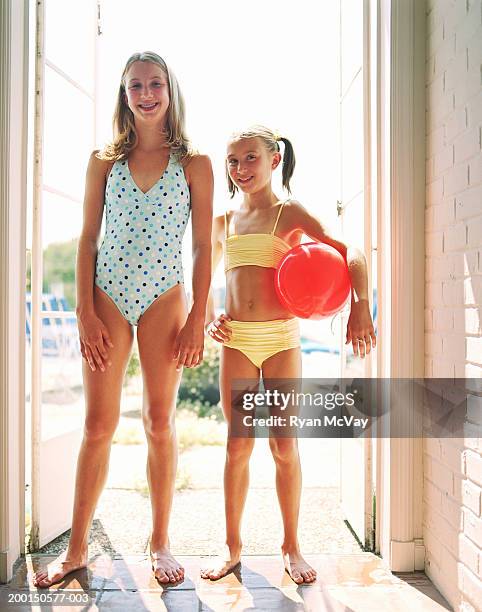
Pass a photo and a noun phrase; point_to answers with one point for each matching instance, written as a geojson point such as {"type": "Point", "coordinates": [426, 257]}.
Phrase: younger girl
{"type": "Point", "coordinates": [258, 334]}
{"type": "Point", "coordinates": [148, 181]}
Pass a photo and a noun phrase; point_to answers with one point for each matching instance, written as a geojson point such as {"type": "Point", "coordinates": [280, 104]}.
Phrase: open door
{"type": "Point", "coordinates": [64, 136]}
{"type": "Point", "coordinates": [354, 209]}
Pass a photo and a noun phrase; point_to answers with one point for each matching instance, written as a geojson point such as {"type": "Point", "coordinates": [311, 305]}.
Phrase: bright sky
{"type": "Point", "coordinates": [271, 61]}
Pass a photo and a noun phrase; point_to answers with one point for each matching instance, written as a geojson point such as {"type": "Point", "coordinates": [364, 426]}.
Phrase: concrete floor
{"type": "Point", "coordinates": [350, 583]}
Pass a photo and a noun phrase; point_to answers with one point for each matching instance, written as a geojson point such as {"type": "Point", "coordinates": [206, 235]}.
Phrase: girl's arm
{"type": "Point", "coordinates": [216, 255]}
{"type": "Point", "coordinates": [188, 350]}
{"type": "Point", "coordinates": [360, 324]}
{"type": "Point", "coordinates": [94, 337]}
{"type": "Point", "coordinates": [215, 326]}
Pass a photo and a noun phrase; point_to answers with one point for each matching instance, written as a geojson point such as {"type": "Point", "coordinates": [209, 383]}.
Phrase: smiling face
{"type": "Point", "coordinates": [147, 91]}
{"type": "Point", "coordinates": [250, 164]}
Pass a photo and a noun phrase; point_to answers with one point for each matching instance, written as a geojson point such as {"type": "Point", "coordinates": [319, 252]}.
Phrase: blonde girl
{"type": "Point", "coordinates": [148, 180]}
{"type": "Point", "coordinates": [259, 336]}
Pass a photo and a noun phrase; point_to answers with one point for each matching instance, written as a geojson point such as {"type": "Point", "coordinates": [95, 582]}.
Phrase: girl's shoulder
{"type": "Point", "coordinates": [196, 160]}
{"type": "Point", "coordinates": [219, 226]}
{"type": "Point", "coordinates": [293, 208]}
{"type": "Point", "coordinates": [98, 165]}
{"type": "Point", "coordinates": [292, 204]}
{"type": "Point", "coordinates": [294, 215]}
{"type": "Point", "coordinates": [197, 166]}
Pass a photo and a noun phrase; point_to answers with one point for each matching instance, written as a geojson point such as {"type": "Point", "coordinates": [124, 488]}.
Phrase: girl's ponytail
{"type": "Point", "coordinates": [289, 162]}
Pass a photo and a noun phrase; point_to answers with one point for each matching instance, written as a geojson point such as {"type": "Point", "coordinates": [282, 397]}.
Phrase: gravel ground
{"type": "Point", "coordinates": [197, 524]}
{"type": "Point", "coordinates": [122, 520]}
{"type": "Point", "coordinates": [197, 521]}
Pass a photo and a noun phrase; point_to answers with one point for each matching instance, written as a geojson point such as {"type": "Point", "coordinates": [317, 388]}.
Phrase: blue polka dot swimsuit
{"type": "Point", "coordinates": [140, 256]}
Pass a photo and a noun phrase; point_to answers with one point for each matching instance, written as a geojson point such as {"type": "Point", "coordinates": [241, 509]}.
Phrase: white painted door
{"type": "Point", "coordinates": [63, 139]}
{"type": "Point", "coordinates": [354, 209]}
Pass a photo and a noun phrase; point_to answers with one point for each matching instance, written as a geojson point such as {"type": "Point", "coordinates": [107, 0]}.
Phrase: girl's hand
{"type": "Point", "coordinates": [360, 331]}
{"type": "Point", "coordinates": [94, 340]}
{"type": "Point", "coordinates": [189, 345]}
{"type": "Point", "coordinates": [218, 330]}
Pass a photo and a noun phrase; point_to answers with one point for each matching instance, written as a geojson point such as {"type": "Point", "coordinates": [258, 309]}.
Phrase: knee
{"type": "Point", "coordinates": [239, 449]}
{"type": "Point", "coordinates": [159, 424]}
{"type": "Point", "coordinates": [284, 450]}
{"type": "Point", "coordinates": [99, 430]}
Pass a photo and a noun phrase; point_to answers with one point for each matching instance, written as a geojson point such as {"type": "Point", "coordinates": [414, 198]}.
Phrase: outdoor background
{"type": "Point", "coordinates": [260, 62]}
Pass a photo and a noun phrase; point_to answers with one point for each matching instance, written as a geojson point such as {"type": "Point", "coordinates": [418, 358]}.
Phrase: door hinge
{"type": "Point", "coordinates": [99, 21]}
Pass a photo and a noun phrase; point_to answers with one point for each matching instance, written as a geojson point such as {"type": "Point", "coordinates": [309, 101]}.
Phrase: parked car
{"type": "Point", "coordinates": [60, 337]}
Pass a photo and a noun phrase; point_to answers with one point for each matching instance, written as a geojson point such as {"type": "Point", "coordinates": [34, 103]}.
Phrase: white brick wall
{"type": "Point", "coordinates": [453, 297]}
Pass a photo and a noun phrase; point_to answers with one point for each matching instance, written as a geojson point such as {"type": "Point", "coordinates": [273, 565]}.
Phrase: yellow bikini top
{"type": "Point", "coordinates": [265, 250]}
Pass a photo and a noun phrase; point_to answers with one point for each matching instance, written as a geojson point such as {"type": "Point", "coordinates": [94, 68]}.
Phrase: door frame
{"type": "Point", "coordinates": [47, 522]}
{"type": "Point", "coordinates": [14, 47]}
{"type": "Point", "coordinates": [401, 202]}
{"type": "Point", "coordinates": [401, 272]}
{"type": "Point", "coordinates": [363, 451]}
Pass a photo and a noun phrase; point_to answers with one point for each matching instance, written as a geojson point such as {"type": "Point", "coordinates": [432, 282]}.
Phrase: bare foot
{"type": "Point", "coordinates": [297, 568]}
{"type": "Point", "coordinates": [222, 564]}
{"type": "Point", "coordinates": [59, 568]}
{"type": "Point", "coordinates": [166, 569]}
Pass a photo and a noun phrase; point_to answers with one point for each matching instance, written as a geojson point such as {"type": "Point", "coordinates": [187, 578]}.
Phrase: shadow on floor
{"type": "Point", "coordinates": [346, 583]}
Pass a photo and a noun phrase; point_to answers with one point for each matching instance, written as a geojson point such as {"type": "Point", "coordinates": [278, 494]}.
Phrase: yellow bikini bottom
{"type": "Point", "coordinates": [259, 340]}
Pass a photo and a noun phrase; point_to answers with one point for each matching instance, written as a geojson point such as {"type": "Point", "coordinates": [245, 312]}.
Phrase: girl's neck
{"type": "Point", "coordinates": [265, 198]}
{"type": "Point", "coordinates": [150, 138]}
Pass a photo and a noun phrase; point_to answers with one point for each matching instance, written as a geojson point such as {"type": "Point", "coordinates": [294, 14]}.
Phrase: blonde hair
{"type": "Point", "coordinates": [270, 140]}
{"type": "Point", "coordinates": [125, 134]}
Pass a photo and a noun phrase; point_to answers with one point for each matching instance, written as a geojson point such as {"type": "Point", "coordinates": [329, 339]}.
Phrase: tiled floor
{"type": "Point", "coordinates": [352, 582]}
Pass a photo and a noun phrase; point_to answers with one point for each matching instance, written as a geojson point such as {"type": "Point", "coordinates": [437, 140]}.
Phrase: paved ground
{"type": "Point", "coordinates": [357, 582]}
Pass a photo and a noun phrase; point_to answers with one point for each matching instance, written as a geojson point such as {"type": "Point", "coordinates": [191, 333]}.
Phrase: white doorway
{"type": "Point", "coordinates": [292, 91]}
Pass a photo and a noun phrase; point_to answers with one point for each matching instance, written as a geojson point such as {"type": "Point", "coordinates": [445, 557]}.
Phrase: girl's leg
{"type": "Point", "coordinates": [287, 364]}
{"type": "Point", "coordinates": [157, 331]}
{"type": "Point", "coordinates": [234, 365]}
{"type": "Point", "coordinates": [102, 396]}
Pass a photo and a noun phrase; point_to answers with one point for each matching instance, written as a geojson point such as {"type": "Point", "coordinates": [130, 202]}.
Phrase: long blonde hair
{"type": "Point", "coordinates": [270, 140]}
{"type": "Point", "coordinates": [125, 134]}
